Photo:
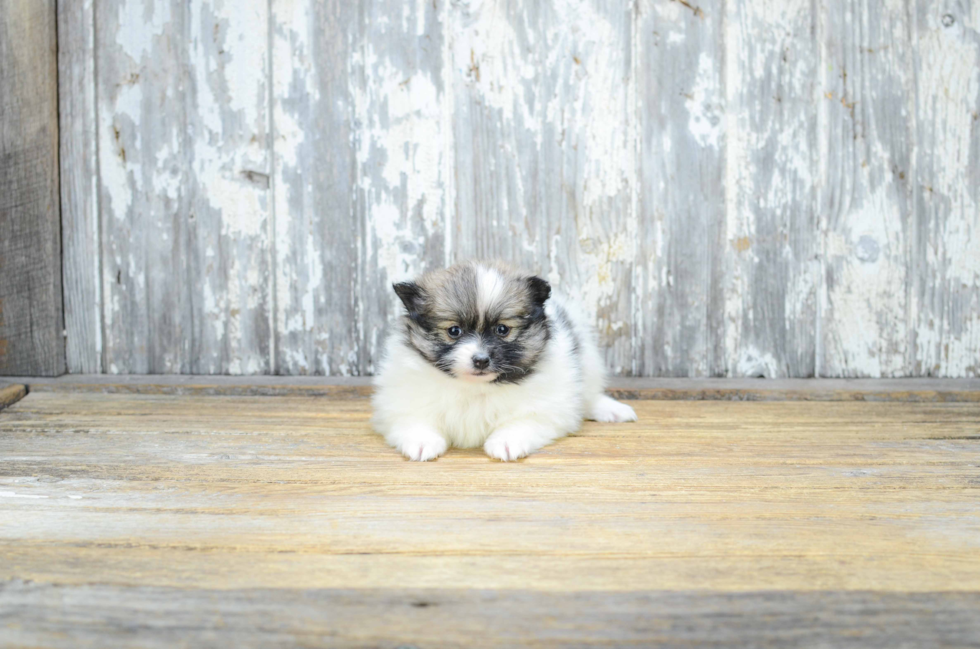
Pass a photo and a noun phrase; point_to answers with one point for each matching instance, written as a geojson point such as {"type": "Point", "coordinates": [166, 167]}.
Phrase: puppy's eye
{"type": "Point", "coordinates": [454, 331]}
{"type": "Point", "coordinates": [502, 330]}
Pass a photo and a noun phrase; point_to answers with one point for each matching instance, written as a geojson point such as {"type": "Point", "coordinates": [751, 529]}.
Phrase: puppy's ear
{"type": "Point", "coordinates": [412, 296]}
{"type": "Point", "coordinates": [540, 290]}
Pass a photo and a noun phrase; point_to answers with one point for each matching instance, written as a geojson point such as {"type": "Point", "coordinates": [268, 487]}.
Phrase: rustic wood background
{"type": "Point", "coordinates": [741, 188]}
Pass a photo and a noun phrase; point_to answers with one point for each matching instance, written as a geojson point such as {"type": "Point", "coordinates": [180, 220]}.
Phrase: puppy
{"type": "Point", "coordinates": [486, 356]}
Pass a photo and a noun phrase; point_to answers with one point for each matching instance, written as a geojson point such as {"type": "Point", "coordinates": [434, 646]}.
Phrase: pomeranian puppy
{"type": "Point", "coordinates": [486, 356]}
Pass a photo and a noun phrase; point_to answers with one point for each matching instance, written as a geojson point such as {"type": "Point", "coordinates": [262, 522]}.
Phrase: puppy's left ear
{"type": "Point", "coordinates": [411, 295]}
{"type": "Point", "coordinates": [540, 290]}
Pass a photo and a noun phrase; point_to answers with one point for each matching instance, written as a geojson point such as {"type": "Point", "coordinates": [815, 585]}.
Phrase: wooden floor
{"type": "Point", "coordinates": [281, 521]}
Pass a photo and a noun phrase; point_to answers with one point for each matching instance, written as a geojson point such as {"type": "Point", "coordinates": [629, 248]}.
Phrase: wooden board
{"type": "Point", "coordinates": [11, 394]}
{"type": "Point", "coordinates": [945, 295]}
{"type": "Point", "coordinates": [866, 203]}
{"type": "Point", "coordinates": [403, 191]}
{"type": "Point", "coordinates": [31, 316]}
{"type": "Point", "coordinates": [316, 235]}
{"type": "Point", "coordinates": [899, 390]}
{"type": "Point", "coordinates": [184, 169]}
{"type": "Point", "coordinates": [820, 518]}
{"type": "Point", "coordinates": [79, 169]}
{"type": "Point", "coordinates": [44, 615]}
{"type": "Point", "coordinates": [772, 269]}
{"type": "Point", "coordinates": [679, 317]}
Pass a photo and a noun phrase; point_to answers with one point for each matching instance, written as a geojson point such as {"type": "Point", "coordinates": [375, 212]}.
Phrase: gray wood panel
{"type": "Point", "coordinates": [866, 195]}
{"type": "Point", "coordinates": [101, 615]}
{"type": "Point", "coordinates": [403, 151]}
{"type": "Point", "coordinates": [226, 140]}
{"type": "Point", "coordinates": [79, 167]}
{"type": "Point", "coordinates": [544, 147]}
{"type": "Point", "coordinates": [945, 242]}
{"type": "Point", "coordinates": [184, 175]}
{"type": "Point", "coordinates": [144, 222]}
{"type": "Point", "coordinates": [731, 189]}
{"type": "Point", "coordinates": [679, 274]}
{"type": "Point", "coordinates": [316, 233]}
{"type": "Point", "coordinates": [772, 267]}
{"type": "Point", "coordinates": [31, 316]}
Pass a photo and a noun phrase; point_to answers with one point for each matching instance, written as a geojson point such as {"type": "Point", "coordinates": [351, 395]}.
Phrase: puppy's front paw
{"type": "Point", "coordinates": [507, 445]}
{"type": "Point", "coordinates": [607, 409]}
{"type": "Point", "coordinates": [420, 444]}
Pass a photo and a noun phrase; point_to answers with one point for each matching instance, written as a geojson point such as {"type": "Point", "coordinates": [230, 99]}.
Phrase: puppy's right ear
{"type": "Point", "coordinates": [540, 290]}
{"type": "Point", "coordinates": [411, 295]}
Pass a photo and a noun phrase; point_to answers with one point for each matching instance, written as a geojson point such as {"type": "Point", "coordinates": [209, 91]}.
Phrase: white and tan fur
{"type": "Point", "coordinates": [423, 410]}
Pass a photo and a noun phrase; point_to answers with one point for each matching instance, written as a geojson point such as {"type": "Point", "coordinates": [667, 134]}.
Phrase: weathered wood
{"type": "Point", "coordinates": [79, 170]}
{"type": "Point", "coordinates": [239, 520]}
{"type": "Point", "coordinates": [317, 234]}
{"type": "Point", "coordinates": [184, 171]}
{"type": "Point", "coordinates": [731, 189]}
{"type": "Point", "coordinates": [11, 394]}
{"type": "Point", "coordinates": [146, 313]}
{"type": "Point", "coordinates": [229, 238]}
{"type": "Point", "coordinates": [190, 385]}
{"type": "Point", "coordinates": [251, 492]}
{"type": "Point", "coordinates": [45, 615]}
{"type": "Point", "coordinates": [772, 267]}
{"type": "Point", "coordinates": [945, 242]}
{"type": "Point", "coordinates": [404, 154]}
{"type": "Point", "coordinates": [866, 210]}
{"type": "Point", "coordinates": [31, 315]}
{"type": "Point", "coordinates": [545, 127]}
{"type": "Point", "coordinates": [681, 248]}
{"type": "Point", "coordinates": [912, 390]}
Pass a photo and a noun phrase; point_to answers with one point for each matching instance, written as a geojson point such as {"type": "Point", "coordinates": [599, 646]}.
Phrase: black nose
{"type": "Point", "coordinates": [481, 361]}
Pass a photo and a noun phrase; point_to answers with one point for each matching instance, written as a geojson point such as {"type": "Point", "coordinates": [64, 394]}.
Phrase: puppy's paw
{"type": "Point", "coordinates": [507, 445]}
{"type": "Point", "coordinates": [607, 409]}
{"type": "Point", "coordinates": [421, 444]}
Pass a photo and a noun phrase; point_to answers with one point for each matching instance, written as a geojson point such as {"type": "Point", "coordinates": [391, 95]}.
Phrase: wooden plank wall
{"type": "Point", "coordinates": [741, 188]}
{"type": "Point", "coordinates": [31, 323]}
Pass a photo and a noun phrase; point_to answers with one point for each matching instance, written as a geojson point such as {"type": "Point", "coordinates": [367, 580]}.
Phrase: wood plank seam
{"type": "Point", "coordinates": [894, 390]}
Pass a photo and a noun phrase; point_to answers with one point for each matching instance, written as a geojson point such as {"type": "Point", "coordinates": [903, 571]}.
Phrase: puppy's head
{"type": "Point", "coordinates": [477, 322]}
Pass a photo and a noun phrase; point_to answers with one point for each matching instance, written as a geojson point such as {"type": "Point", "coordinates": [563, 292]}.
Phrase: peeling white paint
{"type": "Point", "coordinates": [404, 156]}
{"type": "Point", "coordinates": [401, 116]}
{"type": "Point", "coordinates": [948, 338]}
{"type": "Point", "coordinates": [489, 54]}
{"type": "Point", "coordinates": [705, 123]}
{"type": "Point", "coordinates": [139, 23]}
{"type": "Point", "coordinates": [116, 150]}
{"type": "Point", "coordinates": [753, 362]}
{"type": "Point", "coordinates": [735, 157]}
{"type": "Point", "coordinates": [552, 89]}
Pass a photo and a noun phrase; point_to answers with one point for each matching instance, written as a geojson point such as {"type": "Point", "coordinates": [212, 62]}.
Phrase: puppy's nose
{"type": "Point", "coordinates": [481, 361]}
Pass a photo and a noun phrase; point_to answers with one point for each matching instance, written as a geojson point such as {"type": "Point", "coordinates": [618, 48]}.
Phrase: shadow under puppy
{"type": "Point", "coordinates": [486, 356]}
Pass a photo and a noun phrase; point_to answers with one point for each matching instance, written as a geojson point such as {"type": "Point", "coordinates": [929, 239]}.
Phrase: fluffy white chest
{"type": "Point", "coordinates": [469, 416]}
